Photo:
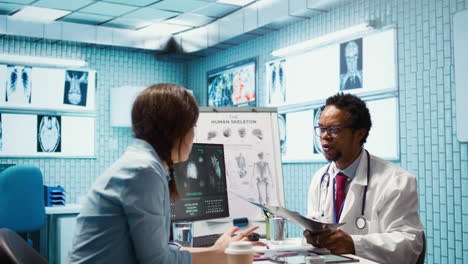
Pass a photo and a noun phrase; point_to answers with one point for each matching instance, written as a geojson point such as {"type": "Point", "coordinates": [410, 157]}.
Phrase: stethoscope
{"type": "Point", "coordinates": [324, 183]}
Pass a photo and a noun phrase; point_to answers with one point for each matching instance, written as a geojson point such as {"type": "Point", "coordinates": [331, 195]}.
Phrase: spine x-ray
{"type": "Point", "coordinates": [76, 88]}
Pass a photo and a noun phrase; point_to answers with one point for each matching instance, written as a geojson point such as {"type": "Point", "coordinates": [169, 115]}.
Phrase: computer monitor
{"type": "Point", "coordinates": [201, 182]}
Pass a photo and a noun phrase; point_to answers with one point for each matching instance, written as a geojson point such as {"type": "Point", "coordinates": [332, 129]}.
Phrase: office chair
{"type": "Point", "coordinates": [22, 200]}
{"type": "Point", "coordinates": [422, 256]}
{"type": "Point", "coordinates": [15, 250]}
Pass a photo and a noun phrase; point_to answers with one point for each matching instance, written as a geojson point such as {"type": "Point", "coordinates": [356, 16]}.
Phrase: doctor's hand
{"type": "Point", "coordinates": [337, 241]}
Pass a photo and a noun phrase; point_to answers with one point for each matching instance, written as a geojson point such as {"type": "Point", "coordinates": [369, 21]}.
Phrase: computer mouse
{"type": "Point", "coordinates": [254, 236]}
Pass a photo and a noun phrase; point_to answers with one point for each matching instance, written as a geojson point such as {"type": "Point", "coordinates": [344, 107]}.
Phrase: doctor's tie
{"type": "Point", "coordinates": [340, 193]}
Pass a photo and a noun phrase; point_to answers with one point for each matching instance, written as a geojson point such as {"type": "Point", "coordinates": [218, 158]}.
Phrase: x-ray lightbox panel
{"type": "Point", "coordinates": [55, 136]}
{"type": "Point", "coordinates": [460, 20]}
{"type": "Point", "coordinates": [121, 102]}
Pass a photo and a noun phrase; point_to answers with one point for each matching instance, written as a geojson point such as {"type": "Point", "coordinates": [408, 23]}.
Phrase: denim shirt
{"type": "Point", "coordinates": [126, 215]}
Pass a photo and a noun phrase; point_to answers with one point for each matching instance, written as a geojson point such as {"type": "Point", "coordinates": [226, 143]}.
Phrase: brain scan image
{"type": "Point", "coordinates": [48, 136]}
{"type": "Point", "coordinates": [18, 84]}
{"type": "Point", "coordinates": [76, 85]}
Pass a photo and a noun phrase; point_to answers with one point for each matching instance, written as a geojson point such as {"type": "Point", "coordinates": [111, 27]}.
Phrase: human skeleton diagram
{"type": "Point", "coordinates": [49, 133]}
{"type": "Point", "coordinates": [262, 175]}
{"type": "Point", "coordinates": [242, 167]}
{"type": "Point", "coordinates": [18, 88]}
{"type": "Point", "coordinates": [74, 93]}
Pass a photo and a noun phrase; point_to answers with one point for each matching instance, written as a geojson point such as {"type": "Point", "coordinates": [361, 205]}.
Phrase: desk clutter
{"type": "Point", "coordinates": [54, 196]}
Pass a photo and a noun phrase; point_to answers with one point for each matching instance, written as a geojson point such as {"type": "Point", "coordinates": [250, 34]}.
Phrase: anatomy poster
{"type": "Point", "coordinates": [253, 164]}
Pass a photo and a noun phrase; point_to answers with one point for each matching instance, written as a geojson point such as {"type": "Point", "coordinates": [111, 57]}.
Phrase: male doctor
{"type": "Point", "coordinates": [376, 199]}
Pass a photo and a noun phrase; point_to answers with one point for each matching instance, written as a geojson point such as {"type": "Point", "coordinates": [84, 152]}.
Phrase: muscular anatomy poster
{"type": "Point", "coordinates": [253, 164]}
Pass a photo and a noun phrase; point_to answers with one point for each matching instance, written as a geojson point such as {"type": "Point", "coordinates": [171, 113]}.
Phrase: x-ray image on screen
{"type": "Point", "coordinates": [317, 145]}
{"type": "Point", "coordinates": [276, 84]}
{"type": "Point", "coordinates": [18, 85]}
{"type": "Point", "coordinates": [201, 182]}
{"type": "Point", "coordinates": [48, 133]}
{"type": "Point", "coordinates": [351, 65]}
{"type": "Point", "coordinates": [76, 88]}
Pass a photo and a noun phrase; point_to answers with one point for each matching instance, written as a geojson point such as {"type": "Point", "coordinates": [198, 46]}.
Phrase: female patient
{"type": "Point", "coordinates": [126, 215]}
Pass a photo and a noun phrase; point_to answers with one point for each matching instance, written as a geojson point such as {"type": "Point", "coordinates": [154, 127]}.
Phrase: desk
{"type": "Point", "coordinates": [57, 234]}
{"type": "Point", "coordinates": [296, 243]}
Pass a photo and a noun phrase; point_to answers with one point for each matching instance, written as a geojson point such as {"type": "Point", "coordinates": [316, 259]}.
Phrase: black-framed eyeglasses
{"type": "Point", "coordinates": [331, 130]}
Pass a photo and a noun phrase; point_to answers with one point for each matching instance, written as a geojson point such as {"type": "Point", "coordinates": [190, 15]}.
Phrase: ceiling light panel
{"type": "Point", "coordinates": [107, 9]}
{"type": "Point", "coordinates": [127, 23]}
{"type": "Point", "coordinates": [216, 10]}
{"type": "Point", "coordinates": [151, 14]}
{"type": "Point", "coordinates": [162, 29]}
{"type": "Point", "coordinates": [22, 2]}
{"type": "Point", "coordinates": [140, 3]}
{"type": "Point", "coordinates": [29, 13]}
{"type": "Point", "coordinates": [193, 20]}
{"type": "Point", "coordinates": [6, 9]}
{"type": "Point", "coordinates": [63, 5]}
{"type": "Point", "coordinates": [179, 6]}
{"type": "Point", "coordinates": [236, 2]}
{"type": "Point", "coordinates": [84, 18]}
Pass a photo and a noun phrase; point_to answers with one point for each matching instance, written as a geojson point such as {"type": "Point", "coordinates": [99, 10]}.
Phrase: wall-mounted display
{"type": "Point", "coordinates": [232, 85]}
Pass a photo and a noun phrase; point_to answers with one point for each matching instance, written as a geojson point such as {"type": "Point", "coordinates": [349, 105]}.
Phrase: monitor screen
{"type": "Point", "coordinates": [201, 182]}
{"type": "Point", "coordinates": [232, 85]}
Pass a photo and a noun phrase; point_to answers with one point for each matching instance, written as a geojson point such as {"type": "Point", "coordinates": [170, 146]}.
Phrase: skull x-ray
{"type": "Point", "coordinates": [18, 85]}
{"type": "Point", "coordinates": [351, 65]}
{"type": "Point", "coordinates": [76, 88]}
{"type": "Point", "coordinates": [48, 133]}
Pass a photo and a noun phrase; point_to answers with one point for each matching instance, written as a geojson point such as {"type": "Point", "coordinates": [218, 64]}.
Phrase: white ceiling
{"type": "Point", "coordinates": [199, 27]}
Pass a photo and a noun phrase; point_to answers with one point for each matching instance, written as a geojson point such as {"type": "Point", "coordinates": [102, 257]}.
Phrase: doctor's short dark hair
{"type": "Point", "coordinates": [359, 113]}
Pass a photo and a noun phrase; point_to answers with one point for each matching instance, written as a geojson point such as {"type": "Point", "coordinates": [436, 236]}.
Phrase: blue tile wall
{"type": "Point", "coordinates": [428, 144]}
{"type": "Point", "coordinates": [115, 67]}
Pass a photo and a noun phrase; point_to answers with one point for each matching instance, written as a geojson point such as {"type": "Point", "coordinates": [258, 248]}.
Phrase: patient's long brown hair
{"type": "Point", "coordinates": [162, 115]}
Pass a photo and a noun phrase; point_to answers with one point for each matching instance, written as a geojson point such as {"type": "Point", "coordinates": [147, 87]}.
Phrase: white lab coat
{"type": "Point", "coordinates": [393, 231]}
